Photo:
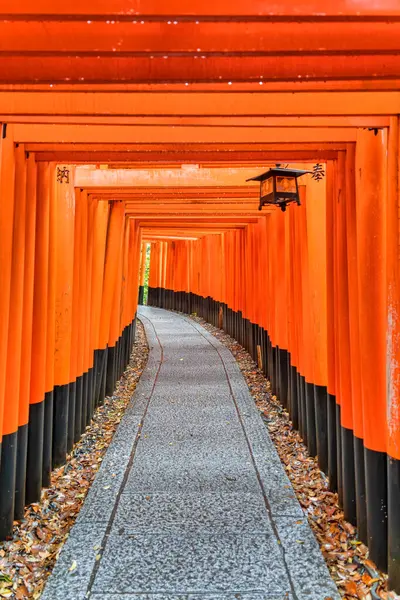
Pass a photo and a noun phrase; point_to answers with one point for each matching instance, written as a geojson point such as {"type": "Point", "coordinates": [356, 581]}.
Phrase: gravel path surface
{"type": "Point", "coordinates": [191, 501]}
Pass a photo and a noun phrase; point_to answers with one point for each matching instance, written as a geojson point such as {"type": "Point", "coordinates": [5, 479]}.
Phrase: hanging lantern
{"type": "Point", "coordinates": [278, 186]}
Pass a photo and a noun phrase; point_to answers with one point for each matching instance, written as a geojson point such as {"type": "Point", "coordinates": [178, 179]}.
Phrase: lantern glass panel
{"type": "Point", "coordinates": [286, 184]}
{"type": "Point", "coordinates": [267, 187]}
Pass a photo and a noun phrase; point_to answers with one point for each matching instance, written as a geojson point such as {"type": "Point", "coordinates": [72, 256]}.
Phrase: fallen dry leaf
{"type": "Point", "coordinates": [73, 566]}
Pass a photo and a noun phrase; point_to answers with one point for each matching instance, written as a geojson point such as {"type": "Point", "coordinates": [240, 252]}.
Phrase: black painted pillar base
{"type": "Point", "coordinates": [272, 369]}
{"type": "Point", "coordinates": [103, 380]}
{"type": "Point", "coordinates": [339, 454]}
{"type": "Point", "coordinates": [110, 377]}
{"type": "Point", "coordinates": [71, 415]}
{"type": "Point", "coordinates": [277, 374]}
{"type": "Point", "coordinates": [141, 294]}
{"type": "Point", "coordinates": [84, 400]}
{"type": "Point", "coordinates": [376, 489]}
{"type": "Point", "coordinates": [34, 470]}
{"type": "Point", "coordinates": [294, 397]}
{"type": "Point", "coordinates": [348, 476]}
{"type": "Point", "coordinates": [303, 409]}
{"type": "Point", "coordinates": [90, 397]}
{"type": "Point", "coordinates": [321, 425]}
{"type": "Point", "coordinates": [60, 424]}
{"type": "Point", "coordinates": [283, 376]}
{"type": "Point", "coordinates": [7, 483]}
{"type": "Point", "coordinates": [100, 365]}
{"type": "Point", "coordinates": [310, 418]}
{"type": "Point", "coordinates": [300, 403]}
{"type": "Point", "coordinates": [256, 342]}
{"type": "Point", "coordinates": [47, 465]}
{"type": "Point", "coordinates": [78, 408]}
{"type": "Point", "coordinates": [332, 443]}
{"type": "Point", "coordinates": [361, 501]}
{"type": "Point", "coordinates": [394, 523]}
{"type": "Point", "coordinates": [20, 474]}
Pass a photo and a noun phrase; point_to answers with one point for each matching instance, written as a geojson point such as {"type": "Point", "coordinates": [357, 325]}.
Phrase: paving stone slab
{"type": "Point", "coordinates": [236, 596]}
{"type": "Point", "coordinates": [193, 411]}
{"type": "Point", "coordinates": [191, 478]}
{"type": "Point", "coordinates": [100, 501]}
{"type": "Point", "coordinates": [307, 567]}
{"type": "Point", "coordinates": [139, 597]}
{"type": "Point", "coordinates": [81, 548]}
{"type": "Point", "coordinates": [201, 429]}
{"type": "Point", "coordinates": [174, 513]}
{"type": "Point", "coordinates": [192, 563]}
{"type": "Point", "coordinates": [250, 596]}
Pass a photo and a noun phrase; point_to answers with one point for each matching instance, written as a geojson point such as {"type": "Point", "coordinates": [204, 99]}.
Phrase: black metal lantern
{"type": "Point", "coordinates": [278, 186]}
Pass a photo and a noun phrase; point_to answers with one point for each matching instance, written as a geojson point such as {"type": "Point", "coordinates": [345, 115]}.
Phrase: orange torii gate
{"type": "Point", "coordinates": [100, 105]}
{"type": "Point", "coordinates": [313, 289]}
{"type": "Point", "coordinates": [74, 271]}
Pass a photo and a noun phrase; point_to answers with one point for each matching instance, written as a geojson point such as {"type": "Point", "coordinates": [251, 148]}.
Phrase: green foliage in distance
{"type": "Point", "coordinates": [146, 274]}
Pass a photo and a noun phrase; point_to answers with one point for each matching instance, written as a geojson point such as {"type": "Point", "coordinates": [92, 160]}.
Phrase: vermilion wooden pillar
{"type": "Point", "coordinates": [16, 341]}
{"type": "Point", "coordinates": [293, 322]}
{"type": "Point", "coordinates": [26, 410]}
{"type": "Point", "coordinates": [75, 372]}
{"type": "Point", "coordinates": [371, 194]}
{"type": "Point", "coordinates": [307, 366]}
{"type": "Point", "coordinates": [393, 355]}
{"type": "Point", "coordinates": [354, 337]}
{"type": "Point", "coordinates": [342, 337]}
{"type": "Point", "coordinates": [87, 311]}
{"type": "Point", "coordinates": [317, 309]}
{"type": "Point", "coordinates": [82, 388]}
{"type": "Point", "coordinates": [331, 344]}
{"type": "Point", "coordinates": [15, 437]}
{"type": "Point", "coordinates": [99, 250]}
{"type": "Point", "coordinates": [7, 182]}
{"type": "Point", "coordinates": [40, 410]}
{"type": "Point", "coordinates": [114, 234]}
{"type": "Point", "coordinates": [64, 251]}
{"type": "Point", "coordinates": [50, 335]}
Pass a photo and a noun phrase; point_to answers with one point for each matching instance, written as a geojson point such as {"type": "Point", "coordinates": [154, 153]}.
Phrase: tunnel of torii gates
{"type": "Point", "coordinates": [130, 123]}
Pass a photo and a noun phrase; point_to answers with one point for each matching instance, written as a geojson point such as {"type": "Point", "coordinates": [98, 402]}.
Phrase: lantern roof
{"type": "Point", "coordinates": [279, 171]}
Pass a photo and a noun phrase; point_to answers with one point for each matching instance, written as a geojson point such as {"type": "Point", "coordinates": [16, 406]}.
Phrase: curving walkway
{"type": "Point", "coordinates": [191, 501]}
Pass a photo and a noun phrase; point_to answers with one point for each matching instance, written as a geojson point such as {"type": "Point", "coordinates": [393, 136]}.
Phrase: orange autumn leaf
{"type": "Point", "coordinates": [351, 588]}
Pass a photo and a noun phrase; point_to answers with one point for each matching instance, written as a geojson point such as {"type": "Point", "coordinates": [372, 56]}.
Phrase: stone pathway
{"type": "Point", "coordinates": [191, 501]}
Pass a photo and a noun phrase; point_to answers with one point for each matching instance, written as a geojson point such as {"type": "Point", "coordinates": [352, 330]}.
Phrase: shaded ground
{"type": "Point", "coordinates": [27, 559]}
{"type": "Point", "coordinates": [191, 500]}
{"type": "Point", "coordinates": [347, 558]}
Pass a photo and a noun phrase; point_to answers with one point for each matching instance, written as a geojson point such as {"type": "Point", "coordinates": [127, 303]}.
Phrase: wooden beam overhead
{"type": "Point", "coordinates": [187, 103]}
{"type": "Point", "coordinates": [201, 121]}
{"type": "Point", "coordinates": [115, 160]}
{"type": "Point", "coordinates": [205, 10]}
{"type": "Point", "coordinates": [166, 69]}
{"type": "Point", "coordinates": [158, 134]}
{"type": "Point", "coordinates": [170, 148]}
{"type": "Point", "coordinates": [133, 37]}
{"type": "Point", "coordinates": [253, 87]}
{"type": "Point", "coordinates": [190, 179]}
{"type": "Point", "coordinates": [222, 189]}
